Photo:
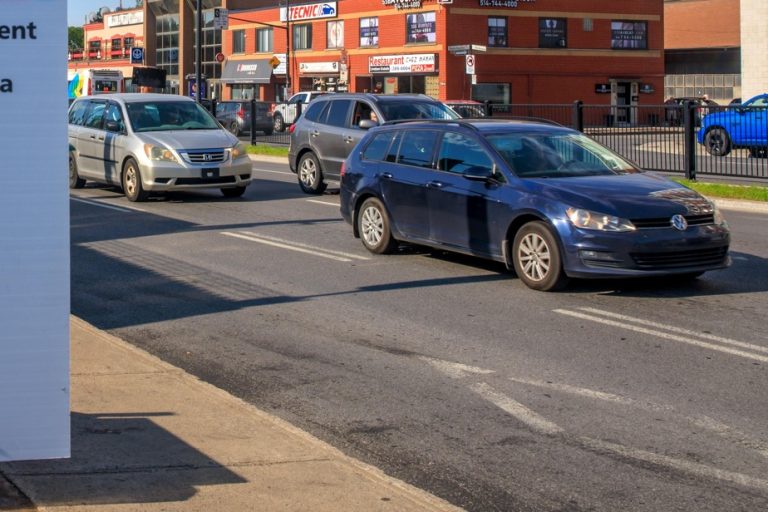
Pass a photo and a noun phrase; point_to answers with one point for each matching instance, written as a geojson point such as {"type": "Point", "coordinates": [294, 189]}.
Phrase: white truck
{"type": "Point", "coordinates": [284, 114]}
{"type": "Point", "coordinates": [95, 81]}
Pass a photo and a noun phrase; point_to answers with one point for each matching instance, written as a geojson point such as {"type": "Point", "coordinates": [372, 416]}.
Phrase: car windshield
{"type": "Point", "coordinates": [397, 110]}
{"type": "Point", "coordinates": [157, 116]}
{"type": "Point", "coordinates": [557, 155]}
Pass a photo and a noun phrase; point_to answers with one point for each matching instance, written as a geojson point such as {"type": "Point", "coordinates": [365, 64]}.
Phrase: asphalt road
{"type": "Point", "coordinates": [442, 370]}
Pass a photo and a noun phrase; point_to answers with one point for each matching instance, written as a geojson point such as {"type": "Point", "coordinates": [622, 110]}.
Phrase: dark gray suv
{"type": "Point", "coordinates": [333, 124]}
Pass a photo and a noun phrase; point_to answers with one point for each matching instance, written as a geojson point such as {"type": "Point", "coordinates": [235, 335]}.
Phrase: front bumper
{"type": "Point", "coordinates": [645, 252]}
{"type": "Point", "coordinates": [165, 176]}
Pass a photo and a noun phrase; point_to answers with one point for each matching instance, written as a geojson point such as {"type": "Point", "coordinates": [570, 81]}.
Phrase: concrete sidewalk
{"type": "Point", "coordinates": [148, 436]}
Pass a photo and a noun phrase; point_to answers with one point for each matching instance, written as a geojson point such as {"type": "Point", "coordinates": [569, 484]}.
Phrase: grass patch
{"type": "Point", "coordinates": [263, 149]}
{"type": "Point", "coordinates": [748, 192]}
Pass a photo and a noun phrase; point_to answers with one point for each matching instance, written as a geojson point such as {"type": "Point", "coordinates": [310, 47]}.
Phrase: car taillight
{"type": "Point", "coordinates": [291, 128]}
{"type": "Point", "coordinates": [343, 169]}
{"type": "Point", "coordinates": [241, 113]}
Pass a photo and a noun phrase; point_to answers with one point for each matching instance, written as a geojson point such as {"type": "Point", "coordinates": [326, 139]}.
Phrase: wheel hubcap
{"type": "Point", "coordinates": [130, 180]}
{"type": "Point", "coordinates": [308, 172]}
{"type": "Point", "coordinates": [372, 226]}
{"type": "Point", "coordinates": [534, 256]}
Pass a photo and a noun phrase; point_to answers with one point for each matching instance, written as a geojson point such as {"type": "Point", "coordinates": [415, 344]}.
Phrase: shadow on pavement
{"type": "Point", "coordinates": [120, 458]}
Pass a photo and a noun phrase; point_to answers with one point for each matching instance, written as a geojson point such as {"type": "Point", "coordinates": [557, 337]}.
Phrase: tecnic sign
{"type": "Point", "coordinates": [309, 11]}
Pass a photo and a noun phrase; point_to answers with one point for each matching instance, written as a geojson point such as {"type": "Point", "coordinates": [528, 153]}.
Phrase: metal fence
{"type": "Point", "coordinates": [690, 139]}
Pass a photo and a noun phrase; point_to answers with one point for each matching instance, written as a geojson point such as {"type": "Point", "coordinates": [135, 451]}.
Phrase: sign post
{"type": "Point", "coordinates": [34, 261]}
{"type": "Point", "coordinates": [221, 18]}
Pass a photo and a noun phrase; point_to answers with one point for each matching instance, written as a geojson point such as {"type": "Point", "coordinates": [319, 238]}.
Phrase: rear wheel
{"type": "Point", "coordinates": [310, 175]}
{"type": "Point", "coordinates": [277, 123]}
{"type": "Point", "coordinates": [537, 258]}
{"type": "Point", "coordinates": [75, 181]}
{"type": "Point", "coordinates": [234, 128]}
{"type": "Point", "coordinates": [233, 191]}
{"type": "Point", "coordinates": [373, 226]}
{"type": "Point", "coordinates": [132, 186]}
{"type": "Point", "coordinates": [717, 142]}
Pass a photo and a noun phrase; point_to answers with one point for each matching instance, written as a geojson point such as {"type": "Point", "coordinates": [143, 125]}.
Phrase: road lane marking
{"type": "Point", "coordinates": [679, 330]}
{"type": "Point", "coordinates": [270, 170]}
{"type": "Point", "coordinates": [94, 202]}
{"type": "Point", "coordinates": [516, 409]}
{"type": "Point", "coordinates": [307, 246]}
{"type": "Point", "coordinates": [681, 465]}
{"type": "Point", "coordinates": [321, 202]}
{"type": "Point", "coordinates": [455, 370]}
{"type": "Point", "coordinates": [664, 335]}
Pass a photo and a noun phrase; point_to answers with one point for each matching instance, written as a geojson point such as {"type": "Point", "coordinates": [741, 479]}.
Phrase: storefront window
{"type": "Point", "coordinates": [302, 36]}
{"type": "Point", "coordinates": [238, 41]}
{"type": "Point", "coordinates": [369, 31]}
{"type": "Point", "coordinates": [335, 34]}
{"type": "Point", "coordinates": [420, 28]}
{"type": "Point", "coordinates": [553, 33]}
{"type": "Point", "coordinates": [264, 39]}
{"type": "Point", "coordinates": [497, 31]}
{"type": "Point", "coordinates": [245, 91]}
{"type": "Point", "coordinates": [495, 93]}
{"type": "Point", "coordinates": [631, 35]}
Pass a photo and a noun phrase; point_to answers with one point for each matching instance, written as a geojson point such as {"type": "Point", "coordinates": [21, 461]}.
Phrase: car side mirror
{"type": "Point", "coordinates": [113, 126]}
{"type": "Point", "coordinates": [367, 124]}
{"type": "Point", "coordinates": [479, 174]}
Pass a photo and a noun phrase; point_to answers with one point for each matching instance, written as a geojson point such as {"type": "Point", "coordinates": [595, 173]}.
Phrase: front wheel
{"type": "Point", "coordinates": [537, 258]}
{"type": "Point", "coordinates": [717, 142]}
{"type": "Point", "coordinates": [75, 181]}
{"type": "Point", "coordinates": [373, 226]}
{"type": "Point", "coordinates": [234, 128]}
{"type": "Point", "coordinates": [277, 123]}
{"type": "Point", "coordinates": [310, 175]}
{"type": "Point", "coordinates": [233, 191]}
{"type": "Point", "coordinates": [132, 186]}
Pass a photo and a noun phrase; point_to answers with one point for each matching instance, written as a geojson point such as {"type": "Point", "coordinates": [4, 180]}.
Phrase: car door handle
{"type": "Point", "coordinates": [93, 136]}
{"type": "Point", "coordinates": [387, 175]}
{"type": "Point", "coordinates": [315, 133]}
{"type": "Point", "coordinates": [348, 139]}
{"type": "Point", "coordinates": [435, 184]}
{"type": "Point", "coordinates": [101, 138]}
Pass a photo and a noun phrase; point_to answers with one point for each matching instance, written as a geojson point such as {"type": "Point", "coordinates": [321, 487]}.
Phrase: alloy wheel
{"type": "Point", "coordinates": [308, 172]}
{"type": "Point", "coordinates": [534, 256]}
{"type": "Point", "coordinates": [372, 226]}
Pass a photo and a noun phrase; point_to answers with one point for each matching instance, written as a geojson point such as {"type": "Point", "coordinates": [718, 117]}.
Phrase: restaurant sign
{"type": "Point", "coordinates": [415, 63]}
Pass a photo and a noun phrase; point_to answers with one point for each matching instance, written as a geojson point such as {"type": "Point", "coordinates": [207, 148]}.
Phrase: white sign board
{"type": "Point", "coordinates": [122, 19]}
{"type": "Point", "coordinates": [469, 61]}
{"type": "Point", "coordinates": [221, 18]}
{"type": "Point", "coordinates": [319, 67]}
{"type": "Point", "coordinates": [280, 69]}
{"type": "Point", "coordinates": [309, 11]}
{"type": "Point", "coordinates": [34, 234]}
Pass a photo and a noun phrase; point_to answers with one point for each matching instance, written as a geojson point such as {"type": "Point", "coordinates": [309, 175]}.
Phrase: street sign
{"type": "Point", "coordinates": [469, 60]}
{"type": "Point", "coordinates": [274, 62]}
{"type": "Point", "coordinates": [474, 79]}
{"type": "Point", "coordinates": [137, 55]}
{"type": "Point", "coordinates": [477, 47]}
{"type": "Point", "coordinates": [221, 18]}
{"type": "Point", "coordinates": [459, 49]}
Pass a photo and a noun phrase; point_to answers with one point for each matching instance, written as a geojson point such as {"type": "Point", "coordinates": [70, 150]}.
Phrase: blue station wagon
{"type": "Point", "coordinates": [543, 199]}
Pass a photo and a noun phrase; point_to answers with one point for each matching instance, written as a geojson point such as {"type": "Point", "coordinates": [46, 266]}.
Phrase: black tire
{"type": "Point", "coordinates": [717, 142]}
{"type": "Point", "coordinates": [310, 174]}
{"type": "Point", "coordinates": [75, 181]}
{"type": "Point", "coordinates": [374, 227]}
{"type": "Point", "coordinates": [132, 184]}
{"type": "Point", "coordinates": [277, 123]}
{"type": "Point", "coordinates": [233, 191]}
{"type": "Point", "coordinates": [536, 258]}
{"type": "Point", "coordinates": [234, 128]}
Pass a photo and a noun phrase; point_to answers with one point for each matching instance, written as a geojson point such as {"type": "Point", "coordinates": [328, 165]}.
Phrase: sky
{"type": "Point", "coordinates": [77, 9]}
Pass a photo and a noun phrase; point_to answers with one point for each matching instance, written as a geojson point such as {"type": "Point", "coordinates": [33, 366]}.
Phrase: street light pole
{"type": "Point", "coordinates": [287, 50]}
{"type": "Point", "coordinates": [199, 51]}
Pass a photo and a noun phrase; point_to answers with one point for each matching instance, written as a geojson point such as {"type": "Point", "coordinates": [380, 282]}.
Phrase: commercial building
{"type": "Point", "coordinates": [703, 46]}
{"type": "Point", "coordinates": [107, 44]}
{"type": "Point", "coordinates": [524, 51]}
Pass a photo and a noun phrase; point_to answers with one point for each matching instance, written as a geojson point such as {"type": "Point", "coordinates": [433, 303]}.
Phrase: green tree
{"type": "Point", "coordinates": [76, 37]}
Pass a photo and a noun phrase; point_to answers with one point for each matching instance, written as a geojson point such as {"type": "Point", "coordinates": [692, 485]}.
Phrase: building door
{"type": "Point", "coordinates": [623, 100]}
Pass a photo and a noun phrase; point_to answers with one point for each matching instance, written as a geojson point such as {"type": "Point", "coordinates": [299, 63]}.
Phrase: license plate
{"type": "Point", "coordinates": [211, 173]}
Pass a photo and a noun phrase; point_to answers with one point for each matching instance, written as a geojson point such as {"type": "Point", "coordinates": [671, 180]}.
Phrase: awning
{"type": "Point", "coordinates": [257, 71]}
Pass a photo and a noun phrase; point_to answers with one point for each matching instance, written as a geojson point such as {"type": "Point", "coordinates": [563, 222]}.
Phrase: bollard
{"type": "Point", "coordinates": [252, 121]}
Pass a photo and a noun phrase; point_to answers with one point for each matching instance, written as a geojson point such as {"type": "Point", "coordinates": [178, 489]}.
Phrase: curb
{"type": "Point", "coordinates": [741, 205]}
{"type": "Point", "coordinates": [268, 158]}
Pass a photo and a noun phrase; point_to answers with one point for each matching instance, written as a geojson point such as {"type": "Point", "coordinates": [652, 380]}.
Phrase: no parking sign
{"type": "Point", "coordinates": [469, 60]}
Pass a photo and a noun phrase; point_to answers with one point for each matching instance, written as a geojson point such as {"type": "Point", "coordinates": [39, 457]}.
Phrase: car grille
{"type": "Point", "coordinates": [207, 156]}
{"type": "Point", "coordinates": [666, 222]}
{"type": "Point", "coordinates": [205, 181]}
{"type": "Point", "coordinates": [676, 259]}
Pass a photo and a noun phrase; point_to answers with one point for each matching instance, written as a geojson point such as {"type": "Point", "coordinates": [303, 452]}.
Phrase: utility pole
{"type": "Point", "coordinates": [199, 51]}
{"type": "Point", "coordinates": [287, 50]}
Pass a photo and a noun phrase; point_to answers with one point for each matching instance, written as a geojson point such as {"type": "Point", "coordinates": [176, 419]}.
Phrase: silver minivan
{"type": "Point", "coordinates": [333, 124]}
{"type": "Point", "coordinates": [153, 143]}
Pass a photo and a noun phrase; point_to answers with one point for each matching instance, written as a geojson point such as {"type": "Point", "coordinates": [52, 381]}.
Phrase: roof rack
{"type": "Point", "coordinates": [542, 120]}
{"type": "Point", "coordinates": [461, 122]}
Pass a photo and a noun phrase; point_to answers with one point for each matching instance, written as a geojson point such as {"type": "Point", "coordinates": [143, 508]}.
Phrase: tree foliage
{"type": "Point", "coordinates": [75, 37]}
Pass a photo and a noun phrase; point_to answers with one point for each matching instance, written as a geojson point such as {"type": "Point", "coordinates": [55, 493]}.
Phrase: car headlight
{"type": "Point", "coordinates": [586, 219]}
{"type": "Point", "coordinates": [239, 151]}
{"type": "Point", "coordinates": [159, 153]}
{"type": "Point", "coordinates": [718, 216]}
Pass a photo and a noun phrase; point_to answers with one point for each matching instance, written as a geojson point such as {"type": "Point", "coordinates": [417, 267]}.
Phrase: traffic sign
{"type": "Point", "coordinates": [477, 47]}
{"type": "Point", "coordinates": [459, 49]}
{"type": "Point", "coordinates": [274, 62]}
{"type": "Point", "coordinates": [137, 55]}
{"type": "Point", "coordinates": [221, 18]}
{"type": "Point", "coordinates": [469, 60]}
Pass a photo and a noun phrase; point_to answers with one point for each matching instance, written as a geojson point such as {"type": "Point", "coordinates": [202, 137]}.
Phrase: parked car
{"type": "Point", "coordinates": [469, 109]}
{"type": "Point", "coordinates": [235, 116]}
{"type": "Point", "coordinates": [153, 143]}
{"type": "Point", "coordinates": [546, 200]}
{"type": "Point", "coordinates": [675, 109]}
{"type": "Point", "coordinates": [284, 114]}
{"type": "Point", "coordinates": [331, 126]}
{"type": "Point", "coordinates": [739, 126]}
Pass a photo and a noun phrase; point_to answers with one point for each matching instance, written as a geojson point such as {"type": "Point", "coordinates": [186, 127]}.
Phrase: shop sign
{"type": "Point", "coordinates": [125, 18]}
{"type": "Point", "coordinates": [309, 11]}
{"type": "Point", "coordinates": [403, 4]}
{"type": "Point", "coordinates": [647, 89]}
{"type": "Point", "coordinates": [415, 63]}
{"type": "Point", "coordinates": [319, 67]}
{"type": "Point", "coordinates": [602, 88]}
{"type": "Point", "coordinates": [512, 4]}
